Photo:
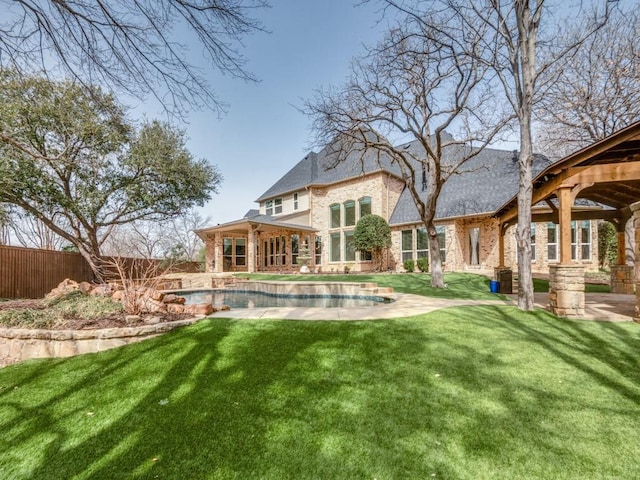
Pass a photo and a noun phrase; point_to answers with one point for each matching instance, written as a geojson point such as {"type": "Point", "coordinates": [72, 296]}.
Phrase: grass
{"type": "Point", "coordinates": [542, 285]}
{"type": "Point", "coordinates": [483, 392]}
{"type": "Point", "coordinates": [459, 285]}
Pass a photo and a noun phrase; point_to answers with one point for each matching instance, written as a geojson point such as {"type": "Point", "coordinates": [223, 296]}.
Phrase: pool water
{"type": "Point", "coordinates": [252, 299]}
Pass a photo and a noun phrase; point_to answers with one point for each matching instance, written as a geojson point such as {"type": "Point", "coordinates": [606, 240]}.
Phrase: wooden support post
{"type": "Point", "coordinates": [622, 247]}
{"type": "Point", "coordinates": [566, 202]}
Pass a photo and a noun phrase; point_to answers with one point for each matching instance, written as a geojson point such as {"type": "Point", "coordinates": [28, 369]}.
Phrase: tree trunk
{"type": "Point", "coordinates": [437, 277]}
{"type": "Point", "coordinates": [95, 263]}
{"type": "Point", "coordinates": [523, 231]}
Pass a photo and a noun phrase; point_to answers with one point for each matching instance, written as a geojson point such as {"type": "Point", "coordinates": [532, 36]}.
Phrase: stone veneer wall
{"type": "Point", "coordinates": [17, 344]}
{"type": "Point", "coordinates": [384, 191]}
{"type": "Point", "coordinates": [622, 279]}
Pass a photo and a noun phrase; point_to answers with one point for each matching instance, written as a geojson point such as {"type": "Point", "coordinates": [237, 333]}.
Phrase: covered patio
{"type": "Point", "coordinates": [606, 172]}
{"type": "Point", "coordinates": [259, 244]}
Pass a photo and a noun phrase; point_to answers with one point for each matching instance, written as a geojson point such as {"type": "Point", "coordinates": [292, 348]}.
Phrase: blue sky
{"type": "Point", "coordinates": [263, 135]}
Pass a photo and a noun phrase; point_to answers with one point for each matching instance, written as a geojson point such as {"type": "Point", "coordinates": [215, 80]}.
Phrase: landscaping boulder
{"type": "Point", "coordinates": [172, 298]}
{"type": "Point", "coordinates": [199, 309]}
{"type": "Point", "coordinates": [175, 308]}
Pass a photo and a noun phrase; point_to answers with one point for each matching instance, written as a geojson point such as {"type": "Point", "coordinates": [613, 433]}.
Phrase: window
{"type": "Point", "coordinates": [335, 247]}
{"type": "Point", "coordinates": [241, 251]}
{"type": "Point", "coordinates": [366, 256]}
{"type": "Point", "coordinates": [277, 206]}
{"type": "Point", "coordinates": [318, 250]}
{"type": "Point", "coordinates": [227, 253]}
{"type": "Point", "coordinates": [422, 243]}
{"type": "Point", "coordinates": [365, 206]}
{"type": "Point", "coordinates": [349, 213]}
{"type": "Point", "coordinates": [295, 201]}
{"type": "Point", "coordinates": [574, 240]}
{"type": "Point", "coordinates": [585, 239]}
{"type": "Point", "coordinates": [407, 245]}
{"type": "Point", "coordinates": [349, 247]}
{"type": "Point", "coordinates": [533, 242]}
{"type": "Point", "coordinates": [552, 241]}
{"type": "Point", "coordinates": [283, 250]}
{"type": "Point", "coordinates": [294, 249]}
{"type": "Point", "coordinates": [269, 207]}
{"type": "Point", "coordinates": [335, 215]}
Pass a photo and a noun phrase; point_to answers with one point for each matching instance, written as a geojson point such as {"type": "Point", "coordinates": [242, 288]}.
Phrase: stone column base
{"type": "Point", "coordinates": [622, 280]}
{"type": "Point", "coordinates": [566, 290]}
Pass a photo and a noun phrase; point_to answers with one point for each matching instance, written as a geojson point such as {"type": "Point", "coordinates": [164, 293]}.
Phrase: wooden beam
{"type": "Point", "coordinates": [604, 173]}
{"type": "Point", "coordinates": [578, 215]}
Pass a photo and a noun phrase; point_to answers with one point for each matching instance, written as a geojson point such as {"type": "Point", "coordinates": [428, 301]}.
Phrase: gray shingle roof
{"type": "Point", "coordinates": [322, 169]}
{"type": "Point", "coordinates": [485, 183]}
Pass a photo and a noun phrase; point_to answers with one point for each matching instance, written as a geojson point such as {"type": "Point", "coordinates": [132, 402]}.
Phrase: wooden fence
{"type": "Point", "coordinates": [32, 273]}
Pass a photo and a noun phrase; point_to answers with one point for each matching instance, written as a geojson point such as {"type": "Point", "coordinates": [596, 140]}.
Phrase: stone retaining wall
{"type": "Point", "coordinates": [17, 344]}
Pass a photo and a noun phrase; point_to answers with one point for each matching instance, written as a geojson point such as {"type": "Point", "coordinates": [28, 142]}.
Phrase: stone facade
{"type": "Point", "coordinates": [622, 279]}
{"type": "Point", "coordinates": [384, 191]}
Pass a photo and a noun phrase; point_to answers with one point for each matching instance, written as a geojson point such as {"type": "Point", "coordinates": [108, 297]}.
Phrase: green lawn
{"type": "Point", "coordinates": [485, 392]}
{"type": "Point", "coordinates": [542, 285]}
{"type": "Point", "coordinates": [459, 285]}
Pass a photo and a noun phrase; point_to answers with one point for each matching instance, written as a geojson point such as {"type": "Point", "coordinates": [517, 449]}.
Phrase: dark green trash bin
{"type": "Point", "coordinates": [504, 277]}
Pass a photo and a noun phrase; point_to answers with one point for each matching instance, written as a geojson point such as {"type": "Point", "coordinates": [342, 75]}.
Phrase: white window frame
{"type": "Point", "coordinates": [554, 244]}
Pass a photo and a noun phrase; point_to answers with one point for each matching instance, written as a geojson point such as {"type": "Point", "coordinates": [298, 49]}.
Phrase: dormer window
{"type": "Point", "coordinates": [269, 207]}
{"type": "Point", "coordinates": [295, 201]}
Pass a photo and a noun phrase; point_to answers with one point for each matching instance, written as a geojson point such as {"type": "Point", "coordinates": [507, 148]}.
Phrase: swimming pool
{"type": "Point", "coordinates": [254, 299]}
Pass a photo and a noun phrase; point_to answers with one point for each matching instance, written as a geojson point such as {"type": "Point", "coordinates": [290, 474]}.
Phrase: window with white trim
{"type": "Point", "coordinates": [349, 247]}
{"type": "Point", "coordinates": [365, 206]}
{"type": "Point", "coordinates": [277, 206]}
{"type": "Point", "coordinates": [349, 213]}
{"type": "Point", "coordinates": [585, 239]}
{"type": "Point", "coordinates": [407, 245]}
{"type": "Point", "coordinates": [268, 206]}
{"type": "Point", "coordinates": [334, 213]}
{"type": "Point", "coordinates": [318, 249]}
{"type": "Point", "coordinates": [552, 242]}
{"type": "Point", "coordinates": [334, 247]}
{"type": "Point", "coordinates": [295, 201]}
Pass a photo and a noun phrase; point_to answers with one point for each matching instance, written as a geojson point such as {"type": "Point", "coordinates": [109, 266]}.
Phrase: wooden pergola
{"type": "Point", "coordinates": [606, 172]}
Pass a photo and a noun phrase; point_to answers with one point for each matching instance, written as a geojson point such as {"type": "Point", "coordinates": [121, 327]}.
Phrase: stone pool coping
{"type": "Point", "coordinates": [405, 305]}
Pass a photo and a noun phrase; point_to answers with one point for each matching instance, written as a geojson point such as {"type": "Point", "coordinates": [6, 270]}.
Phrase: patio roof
{"type": "Point", "coordinates": [606, 172]}
{"type": "Point", "coordinates": [257, 223]}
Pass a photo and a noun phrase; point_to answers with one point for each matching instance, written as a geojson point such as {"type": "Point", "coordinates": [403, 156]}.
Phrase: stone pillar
{"type": "Point", "coordinates": [218, 255]}
{"type": "Point", "coordinates": [622, 279]}
{"type": "Point", "coordinates": [566, 290]}
{"type": "Point", "coordinates": [251, 251]}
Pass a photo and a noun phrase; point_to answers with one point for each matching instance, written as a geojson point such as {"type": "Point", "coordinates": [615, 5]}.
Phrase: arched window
{"type": "Point", "coordinates": [335, 215]}
{"type": "Point", "coordinates": [365, 206]}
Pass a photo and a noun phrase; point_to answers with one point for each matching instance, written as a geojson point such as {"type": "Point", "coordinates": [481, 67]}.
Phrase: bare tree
{"type": "Point", "coordinates": [183, 229]}
{"type": "Point", "coordinates": [416, 84]}
{"type": "Point", "coordinates": [596, 90]}
{"type": "Point", "coordinates": [32, 232]}
{"type": "Point", "coordinates": [157, 239]}
{"type": "Point", "coordinates": [130, 46]}
{"type": "Point", "coordinates": [521, 50]}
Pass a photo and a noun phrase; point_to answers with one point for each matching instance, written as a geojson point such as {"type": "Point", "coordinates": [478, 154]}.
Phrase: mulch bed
{"type": "Point", "coordinates": [112, 320]}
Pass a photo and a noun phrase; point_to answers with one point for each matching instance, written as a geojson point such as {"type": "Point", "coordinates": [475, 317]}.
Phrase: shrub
{"type": "Point", "coordinates": [408, 265]}
{"type": "Point", "coordinates": [423, 264]}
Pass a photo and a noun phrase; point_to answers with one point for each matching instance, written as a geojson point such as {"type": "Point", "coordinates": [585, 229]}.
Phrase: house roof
{"type": "Point", "coordinates": [483, 185]}
{"type": "Point", "coordinates": [322, 169]}
{"type": "Point", "coordinates": [253, 219]}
